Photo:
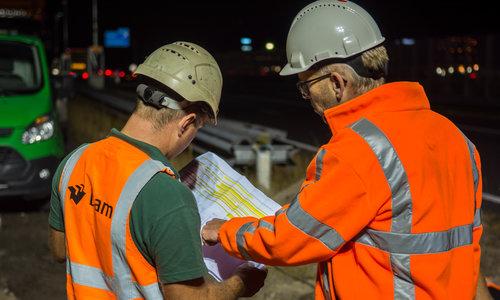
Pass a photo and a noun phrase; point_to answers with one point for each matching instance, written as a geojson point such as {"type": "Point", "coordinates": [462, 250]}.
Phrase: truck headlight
{"type": "Point", "coordinates": [41, 129]}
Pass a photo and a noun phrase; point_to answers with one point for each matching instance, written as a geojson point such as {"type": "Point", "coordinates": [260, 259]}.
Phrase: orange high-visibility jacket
{"type": "Point", "coordinates": [102, 259]}
{"type": "Point", "coordinates": [390, 208]}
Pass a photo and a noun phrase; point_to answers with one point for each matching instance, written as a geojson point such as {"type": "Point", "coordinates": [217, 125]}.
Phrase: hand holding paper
{"type": "Point", "coordinates": [210, 232]}
{"type": "Point", "coordinates": [222, 193]}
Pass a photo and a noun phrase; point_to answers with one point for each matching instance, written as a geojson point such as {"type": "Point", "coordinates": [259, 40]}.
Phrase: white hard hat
{"type": "Point", "coordinates": [328, 29]}
{"type": "Point", "coordinates": [189, 70]}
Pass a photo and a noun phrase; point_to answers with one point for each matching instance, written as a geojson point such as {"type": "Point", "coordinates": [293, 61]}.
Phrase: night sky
{"type": "Point", "coordinates": [218, 25]}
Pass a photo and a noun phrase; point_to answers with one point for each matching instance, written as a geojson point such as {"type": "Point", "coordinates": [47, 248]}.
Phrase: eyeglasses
{"type": "Point", "coordinates": [303, 86]}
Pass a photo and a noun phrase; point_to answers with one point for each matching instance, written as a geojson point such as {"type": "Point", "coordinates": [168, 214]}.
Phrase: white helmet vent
{"type": "Point", "coordinates": [305, 12]}
{"type": "Point", "coordinates": [188, 46]}
{"type": "Point", "coordinates": [174, 52]}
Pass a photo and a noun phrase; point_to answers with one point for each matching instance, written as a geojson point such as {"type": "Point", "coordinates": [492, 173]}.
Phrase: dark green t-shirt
{"type": "Point", "coordinates": [164, 220]}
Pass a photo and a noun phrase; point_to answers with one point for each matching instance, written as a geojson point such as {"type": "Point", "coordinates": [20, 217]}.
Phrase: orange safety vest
{"type": "Point", "coordinates": [390, 208]}
{"type": "Point", "coordinates": [98, 187]}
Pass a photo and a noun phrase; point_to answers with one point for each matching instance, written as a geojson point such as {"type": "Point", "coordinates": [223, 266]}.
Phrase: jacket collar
{"type": "Point", "coordinates": [396, 96]}
{"type": "Point", "coordinates": [150, 150]}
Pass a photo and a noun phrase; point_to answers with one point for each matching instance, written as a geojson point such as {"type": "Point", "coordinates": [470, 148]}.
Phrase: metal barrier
{"type": "Point", "coordinates": [238, 142]}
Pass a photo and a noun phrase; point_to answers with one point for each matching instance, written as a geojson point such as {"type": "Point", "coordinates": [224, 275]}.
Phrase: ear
{"type": "Point", "coordinates": [184, 122]}
{"type": "Point", "coordinates": [339, 83]}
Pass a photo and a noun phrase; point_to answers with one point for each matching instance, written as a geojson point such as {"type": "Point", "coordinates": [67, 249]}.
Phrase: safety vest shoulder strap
{"type": "Point", "coordinates": [66, 173]}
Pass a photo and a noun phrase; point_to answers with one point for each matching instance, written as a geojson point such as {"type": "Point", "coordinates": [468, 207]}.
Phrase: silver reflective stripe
{"type": "Point", "coordinates": [299, 218]}
{"type": "Point", "coordinates": [402, 206]}
{"type": "Point", "coordinates": [240, 239]}
{"type": "Point", "coordinates": [122, 284]}
{"type": "Point", "coordinates": [248, 227]}
{"type": "Point", "coordinates": [404, 287]}
{"type": "Point", "coordinates": [326, 282]}
{"type": "Point", "coordinates": [306, 223]}
{"type": "Point", "coordinates": [279, 212]}
{"type": "Point", "coordinates": [475, 170]}
{"type": "Point", "coordinates": [319, 163]}
{"type": "Point", "coordinates": [89, 276]}
{"type": "Point", "coordinates": [66, 174]}
{"type": "Point", "coordinates": [417, 243]}
{"type": "Point", "coordinates": [475, 177]}
{"type": "Point", "coordinates": [477, 218]}
{"type": "Point", "coordinates": [96, 278]}
{"type": "Point", "coordinates": [394, 172]}
{"type": "Point", "coordinates": [121, 268]}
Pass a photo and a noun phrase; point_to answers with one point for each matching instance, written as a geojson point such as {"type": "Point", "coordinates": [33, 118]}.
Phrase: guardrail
{"type": "Point", "coordinates": [238, 142]}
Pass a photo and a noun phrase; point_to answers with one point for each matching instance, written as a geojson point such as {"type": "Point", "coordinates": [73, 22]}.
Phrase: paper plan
{"type": "Point", "coordinates": [223, 193]}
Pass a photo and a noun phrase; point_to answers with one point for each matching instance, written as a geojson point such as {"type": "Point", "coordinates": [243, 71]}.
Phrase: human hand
{"type": "Point", "coordinates": [210, 232]}
{"type": "Point", "coordinates": [253, 277]}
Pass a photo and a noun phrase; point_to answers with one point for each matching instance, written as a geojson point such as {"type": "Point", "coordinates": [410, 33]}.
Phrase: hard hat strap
{"type": "Point", "coordinates": [357, 64]}
{"type": "Point", "coordinates": [158, 98]}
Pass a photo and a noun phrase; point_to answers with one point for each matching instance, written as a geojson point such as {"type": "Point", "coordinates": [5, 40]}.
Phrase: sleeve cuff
{"type": "Point", "coordinates": [227, 235]}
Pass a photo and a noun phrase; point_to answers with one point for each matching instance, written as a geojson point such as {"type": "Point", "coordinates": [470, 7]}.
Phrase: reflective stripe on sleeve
{"type": "Point", "coordinates": [248, 227]}
{"type": "Point", "coordinates": [319, 163]}
{"type": "Point", "coordinates": [309, 225]}
{"type": "Point", "coordinates": [475, 177]}
{"type": "Point", "coordinates": [326, 283]}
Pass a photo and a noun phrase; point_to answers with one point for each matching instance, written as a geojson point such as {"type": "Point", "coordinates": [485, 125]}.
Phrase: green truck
{"type": "Point", "coordinates": [31, 142]}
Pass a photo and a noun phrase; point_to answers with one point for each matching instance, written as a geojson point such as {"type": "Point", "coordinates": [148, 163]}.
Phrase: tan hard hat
{"type": "Point", "coordinates": [189, 70]}
{"type": "Point", "coordinates": [328, 29]}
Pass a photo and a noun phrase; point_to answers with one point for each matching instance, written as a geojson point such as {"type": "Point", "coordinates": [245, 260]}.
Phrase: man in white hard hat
{"type": "Point", "coordinates": [390, 207]}
{"type": "Point", "coordinates": [122, 221]}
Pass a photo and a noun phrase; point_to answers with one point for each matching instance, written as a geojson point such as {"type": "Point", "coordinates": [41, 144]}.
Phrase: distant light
{"type": "Point", "coordinates": [475, 67]}
{"type": "Point", "coordinates": [246, 48]}
{"type": "Point", "coordinates": [55, 71]}
{"type": "Point", "coordinates": [408, 41]}
{"type": "Point", "coordinates": [85, 75]}
{"type": "Point", "coordinates": [473, 76]}
{"type": "Point", "coordinates": [100, 72]}
{"type": "Point", "coordinates": [440, 71]}
{"type": "Point", "coordinates": [246, 41]}
{"type": "Point", "coordinates": [78, 66]}
{"type": "Point", "coordinates": [44, 174]}
{"type": "Point", "coordinates": [451, 70]}
{"type": "Point", "coordinates": [469, 69]}
{"type": "Point", "coordinates": [121, 74]}
{"type": "Point", "coordinates": [132, 67]}
{"type": "Point", "coordinates": [461, 69]}
{"type": "Point", "coordinates": [269, 46]}
{"type": "Point", "coordinates": [107, 72]}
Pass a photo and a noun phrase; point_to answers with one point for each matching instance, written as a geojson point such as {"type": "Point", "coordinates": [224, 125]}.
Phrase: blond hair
{"type": "Point", "coordinates": [373, 59]}
{"type": "Point", "coordinates": [159, 117]}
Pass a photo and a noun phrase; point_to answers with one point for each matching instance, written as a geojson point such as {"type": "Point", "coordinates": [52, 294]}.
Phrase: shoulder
{"type": "Point", "coordinates": [164, 188]}
{"type": "Point", "coordinates": [162, 197]}
{"type": "Point", "coordinates": [58, 173]}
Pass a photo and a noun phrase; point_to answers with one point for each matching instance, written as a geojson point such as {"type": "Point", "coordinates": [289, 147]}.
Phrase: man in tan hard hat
{"type": "Point", "coordinates": [391, 205]}
{"type": "Point", "coordinates": [122, 221]}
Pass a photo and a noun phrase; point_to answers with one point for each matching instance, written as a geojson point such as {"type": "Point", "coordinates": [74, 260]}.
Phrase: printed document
{"type": "Point", "coordinates": [223, 193]}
